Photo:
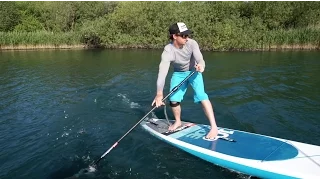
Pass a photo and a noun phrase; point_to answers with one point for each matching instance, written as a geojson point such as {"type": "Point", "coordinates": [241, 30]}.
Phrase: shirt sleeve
{"type": "Point", "coordinates": [164, 66]}
{"type": "Point", "coordinates": [196, 53]}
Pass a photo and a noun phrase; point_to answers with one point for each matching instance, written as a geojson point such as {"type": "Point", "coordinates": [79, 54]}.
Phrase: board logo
{"type": "Point", "coordinates": [222, 133]}
{"type": "Point", "coordinates": [201, 133]}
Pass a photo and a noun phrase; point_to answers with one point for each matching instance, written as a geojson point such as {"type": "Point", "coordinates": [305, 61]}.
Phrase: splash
{"type": "Point", "coordinates": [92, 169]}
{"type": "Point", "coordinates": [65, 134]}
{"type": "Point", "coordinates": [134, 105]}
{"type": "Point", "coordinates": [86, 172]}
{"type": "Point", "coordinates": [127, 101]}
{"type": "Point", "coordinates": [124, 98]}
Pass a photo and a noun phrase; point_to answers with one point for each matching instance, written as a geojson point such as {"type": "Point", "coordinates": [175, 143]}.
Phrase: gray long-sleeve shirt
{"type": "Point", "coordinates": [182, 60]}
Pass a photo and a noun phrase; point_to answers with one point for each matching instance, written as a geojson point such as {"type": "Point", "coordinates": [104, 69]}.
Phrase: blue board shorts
{"type": "Point", "coordinates": [196, 81]}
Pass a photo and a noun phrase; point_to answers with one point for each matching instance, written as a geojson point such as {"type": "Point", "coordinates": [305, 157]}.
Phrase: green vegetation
{"type": "Point", "coordinates": [223, 25]}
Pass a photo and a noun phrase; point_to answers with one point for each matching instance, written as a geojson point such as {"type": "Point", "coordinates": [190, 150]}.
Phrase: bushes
{"type": "Point", "coordinates": [216, 25]}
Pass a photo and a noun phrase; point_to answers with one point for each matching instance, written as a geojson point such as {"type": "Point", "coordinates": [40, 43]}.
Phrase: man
{"type": "Point", "coordinates": [184, 54]}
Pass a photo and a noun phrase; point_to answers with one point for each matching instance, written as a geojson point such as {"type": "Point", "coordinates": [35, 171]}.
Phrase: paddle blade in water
{"type": "Point", "coordinates": [86, 172]}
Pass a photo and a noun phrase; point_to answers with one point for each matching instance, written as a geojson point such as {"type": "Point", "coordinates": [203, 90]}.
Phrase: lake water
{"type": "Point", "coordinates": [62, 109]}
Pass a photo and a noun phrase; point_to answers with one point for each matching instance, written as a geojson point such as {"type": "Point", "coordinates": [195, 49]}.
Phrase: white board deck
{"type": "Point", "coordinates": [253, 154]}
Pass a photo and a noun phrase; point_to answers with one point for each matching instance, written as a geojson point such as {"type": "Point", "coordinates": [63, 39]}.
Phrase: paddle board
{"type": "Point", "coordinates": [252, 154]}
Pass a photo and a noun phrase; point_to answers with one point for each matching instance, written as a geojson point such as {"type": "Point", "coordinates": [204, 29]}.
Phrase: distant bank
{"type": "Point", "coordinates": [82, 46]}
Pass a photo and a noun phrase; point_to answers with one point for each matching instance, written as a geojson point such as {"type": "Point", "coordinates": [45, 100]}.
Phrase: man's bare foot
{"type": "Point", "coordinates": [174, 126]}
{"type": "Point", "coordinates": [212, 133]}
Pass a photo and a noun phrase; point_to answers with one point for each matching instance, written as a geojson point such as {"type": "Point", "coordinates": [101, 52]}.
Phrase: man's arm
{"type": "Point", "coordinates": [163, 71]}
{"type": "Point", "coordinates": [197, 55]}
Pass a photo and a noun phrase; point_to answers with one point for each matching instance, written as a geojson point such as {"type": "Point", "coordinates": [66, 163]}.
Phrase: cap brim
{"type": "Point", "coordinates": [187, 32]}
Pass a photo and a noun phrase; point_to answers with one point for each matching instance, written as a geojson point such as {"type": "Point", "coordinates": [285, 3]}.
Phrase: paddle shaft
{"type": "Point", "coordinates": [116, 143]}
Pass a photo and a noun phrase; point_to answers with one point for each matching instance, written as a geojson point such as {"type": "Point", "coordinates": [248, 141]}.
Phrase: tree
{"type": "Point", "coordinates": [9, 15]}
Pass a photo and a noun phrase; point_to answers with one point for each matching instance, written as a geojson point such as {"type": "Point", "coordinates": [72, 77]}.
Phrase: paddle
{"type": "Point", "coordinates": [116, 143]}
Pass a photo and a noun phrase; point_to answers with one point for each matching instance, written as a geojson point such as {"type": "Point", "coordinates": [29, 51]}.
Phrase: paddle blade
{"type": "Point", "coordinates": [84, 173]}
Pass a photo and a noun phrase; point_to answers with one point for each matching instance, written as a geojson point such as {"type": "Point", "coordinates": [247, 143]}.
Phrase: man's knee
{"type": "Point", "coordinates": [174, 104]}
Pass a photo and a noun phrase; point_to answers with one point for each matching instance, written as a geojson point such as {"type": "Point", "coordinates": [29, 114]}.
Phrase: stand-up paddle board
{"type": "Point", "coordinates": [252, 154]}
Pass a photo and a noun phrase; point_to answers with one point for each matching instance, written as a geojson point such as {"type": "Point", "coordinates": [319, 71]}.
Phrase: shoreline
{"type": "Point", "coordinates": [307, 47]}
{"type": "Point", "coordinates": [36, 47]}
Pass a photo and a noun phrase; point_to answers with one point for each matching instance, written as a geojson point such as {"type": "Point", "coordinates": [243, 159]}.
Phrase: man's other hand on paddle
{"type": "Point", "coordinates": [199, 68]}
{"type": "Point", "coordinates": [158, 100]}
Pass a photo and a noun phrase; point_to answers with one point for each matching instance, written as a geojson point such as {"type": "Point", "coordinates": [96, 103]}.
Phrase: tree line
{"type": "Point", "coordinates": [216, 25]}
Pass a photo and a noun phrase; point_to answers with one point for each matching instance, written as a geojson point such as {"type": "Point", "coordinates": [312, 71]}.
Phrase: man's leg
{"type": "Point", "coordinates": [208, 110]}
{"type": "Point", "coordinates": [176, 110]}
{"type": "Point", "coordinates": [201, 96]}
{"type": "Point", "coordinates": [177, 97]}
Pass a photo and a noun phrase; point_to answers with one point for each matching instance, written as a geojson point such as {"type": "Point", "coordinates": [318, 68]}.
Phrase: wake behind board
{"type": "Point", "coordinates": [248, 153]}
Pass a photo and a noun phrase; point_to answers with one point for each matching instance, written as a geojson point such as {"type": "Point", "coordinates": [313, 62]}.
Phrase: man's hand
{"type": "Point", "coordinates": [158, 100]}
{"type": "Point", "coordinates": [199, 68]}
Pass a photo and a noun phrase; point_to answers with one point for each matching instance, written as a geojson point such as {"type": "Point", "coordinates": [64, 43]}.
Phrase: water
{"type": "Point", "coordinates": [62, 109]}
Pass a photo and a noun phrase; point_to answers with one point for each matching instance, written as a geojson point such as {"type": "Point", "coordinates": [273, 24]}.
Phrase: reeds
{"type": "Point", "coordinates": [306, 38]}
{"type": "Point", "coordinates": [41, 39]}
{"type": "Point", "coordinates": [241, 40]}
